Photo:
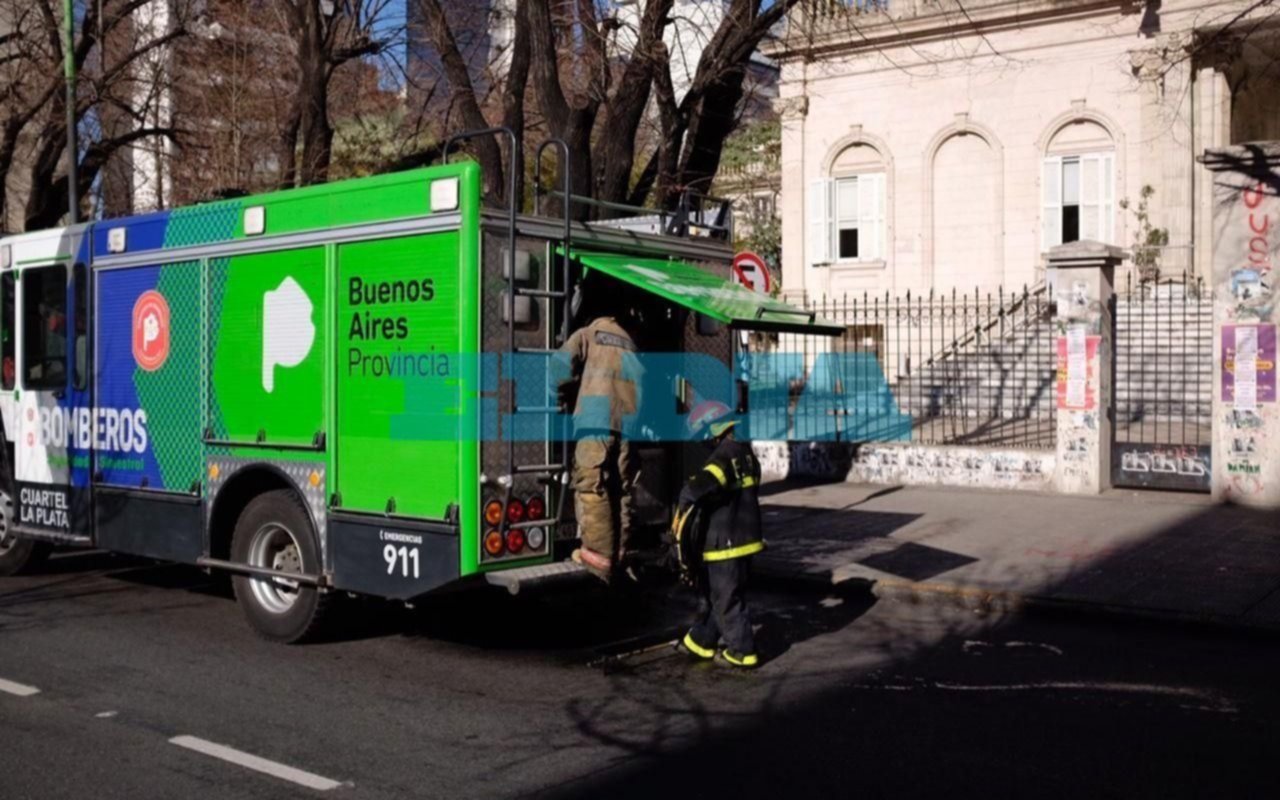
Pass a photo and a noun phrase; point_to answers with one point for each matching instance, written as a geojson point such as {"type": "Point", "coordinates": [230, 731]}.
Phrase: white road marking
{"type": "Point", "coordinates": [977, 646]}
{"type": "Point", "coordinates": [249, 761]}
{"type": "Point", "coordinates": [106, 714]}
{"type": "Point", "coordinates": [1057, 651]}
{"type": "Point", "coordinates": [1208, 701]}
{"type": "Point", "coordinates": [20, 689]}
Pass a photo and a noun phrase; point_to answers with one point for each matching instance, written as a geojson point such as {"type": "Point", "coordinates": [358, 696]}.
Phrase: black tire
{"type": "Point", "coordinates": [17, 555]}
{"type": "Point", "coordinates": [275, 531]}
{"type": "Point", "coordinates": [22, 556]}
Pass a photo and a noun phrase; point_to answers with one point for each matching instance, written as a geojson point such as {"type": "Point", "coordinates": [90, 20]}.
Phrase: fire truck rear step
{"type": "Point", "coordinates": [513, 580]}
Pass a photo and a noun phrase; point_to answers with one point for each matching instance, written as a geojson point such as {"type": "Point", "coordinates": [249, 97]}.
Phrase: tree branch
{"type": "Point", "coordinates": [463, 91]}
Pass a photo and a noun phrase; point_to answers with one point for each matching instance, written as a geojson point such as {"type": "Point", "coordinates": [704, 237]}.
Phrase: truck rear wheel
{"type": "Point", "coordinates": [274, 532]}
{"type": "Point", "coordinates": [16, 554]}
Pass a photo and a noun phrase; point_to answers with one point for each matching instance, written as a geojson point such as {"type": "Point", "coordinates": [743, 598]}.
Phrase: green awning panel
{"type": "Point", "coordinates": [724, 301]}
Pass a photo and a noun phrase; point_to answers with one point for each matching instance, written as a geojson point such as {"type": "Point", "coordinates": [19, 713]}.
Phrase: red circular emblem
{"type": "Point", "coordinates": [151, 330]}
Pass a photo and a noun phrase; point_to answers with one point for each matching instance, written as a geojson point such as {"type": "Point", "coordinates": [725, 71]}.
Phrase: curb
{"type": "Point", "coordinates": [986, 601]}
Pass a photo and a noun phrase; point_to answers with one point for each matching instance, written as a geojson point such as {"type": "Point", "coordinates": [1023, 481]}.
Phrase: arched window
{"type": "Point", "coordinates": [847, 207]}
{"type": "Point", "coordinates": [1078, 184]}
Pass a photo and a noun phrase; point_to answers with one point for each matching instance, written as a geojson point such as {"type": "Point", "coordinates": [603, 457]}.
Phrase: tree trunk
{"type": "Point", "coordinates": [626, 107]}
{"type": "Point", "coordinates": [289, 146]}
{"type": "Point", "coordinates": [315, 135]}
{"type": "Point", "coordinates": [711, 125]}
{"type": "Point", "coordinates": [463, 91]}
{"type": "Point", "coordinates": [574, 125]}
{"type": "Point", "coordinates": [513, 96]}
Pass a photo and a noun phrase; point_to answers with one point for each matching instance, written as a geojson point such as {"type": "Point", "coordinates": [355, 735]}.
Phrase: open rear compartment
{"type": "Point", "coordinates": [527, 456]}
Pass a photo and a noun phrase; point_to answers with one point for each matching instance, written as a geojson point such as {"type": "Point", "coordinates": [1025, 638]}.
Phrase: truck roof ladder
{"type": "Point", "coordinates": [563, 294]}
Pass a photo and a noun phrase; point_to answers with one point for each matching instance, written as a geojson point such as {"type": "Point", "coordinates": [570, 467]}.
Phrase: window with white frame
{"type": "Point", "coordinates": [1078, 199]}
{"type": "Point", "coordinates": [846, 219]}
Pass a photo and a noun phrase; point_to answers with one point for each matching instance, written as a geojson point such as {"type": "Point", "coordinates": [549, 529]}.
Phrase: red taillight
{"type": "Point", "coordinates": [493, 543]}
{"type": "Point", "coordinates": [537, 507]}
{"type": "Point", "coordinates": [515, 541]}
{"type": "Point", "coordinates": [515, 512]}
{"type": "Point", "coordinates": [493, 512]}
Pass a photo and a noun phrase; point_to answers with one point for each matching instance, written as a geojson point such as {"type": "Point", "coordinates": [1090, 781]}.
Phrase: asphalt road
{"type": "Point", "coordinates": [142, 672]}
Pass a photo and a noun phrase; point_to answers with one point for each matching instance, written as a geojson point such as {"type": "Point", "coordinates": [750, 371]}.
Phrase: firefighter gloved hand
{"type": "Point", "coordinates": [567, 394]}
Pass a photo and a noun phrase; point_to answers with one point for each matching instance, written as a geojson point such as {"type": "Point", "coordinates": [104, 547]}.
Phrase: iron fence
{"type": "Point", "coordinates": [959, 368]}
{"type": "Point", "coordinates": [1163, 384]}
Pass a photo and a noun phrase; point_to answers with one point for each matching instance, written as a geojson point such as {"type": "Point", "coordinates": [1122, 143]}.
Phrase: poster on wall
{"type": "Point", "coordinates": [1077, 355]}
{"type": "Point", "coordinates": [1248, 365]}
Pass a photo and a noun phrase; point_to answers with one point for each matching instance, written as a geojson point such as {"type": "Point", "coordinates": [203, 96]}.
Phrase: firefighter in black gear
{"type": "Point", "coordinates": [717, 529]}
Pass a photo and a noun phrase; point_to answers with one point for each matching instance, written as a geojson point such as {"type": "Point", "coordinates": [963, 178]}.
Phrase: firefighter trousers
{"type": "Point", "coordinates": [722, 607]}
{"type": "Point", "coordinates": [606, 469]}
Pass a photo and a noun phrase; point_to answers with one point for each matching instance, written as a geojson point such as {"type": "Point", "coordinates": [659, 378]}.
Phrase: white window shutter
{"type": "Point", "coordinates": [1091, 198]}
{"type": "Point", "coordinates": [819, 221]}
{"type": "Point", "coordinates": [1051, 203]}
{"type": "Point", "coordinates": [870, 214]}
{"type": "Point", "coordinates": [882, 212]}
{"type": "Point", "coordinates": [1108, 200]}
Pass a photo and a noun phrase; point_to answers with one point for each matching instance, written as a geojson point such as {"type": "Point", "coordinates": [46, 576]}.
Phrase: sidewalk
{"type": "Point", "coordinates": [1162, 555]}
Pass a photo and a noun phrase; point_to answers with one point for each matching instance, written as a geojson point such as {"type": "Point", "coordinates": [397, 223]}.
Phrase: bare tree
{"type": "Point", "coordinates": [326, 34]}
{"type": "Point", "coordinates": [580, 71]}
{"type": "Point", "coordinates": [108, 52]}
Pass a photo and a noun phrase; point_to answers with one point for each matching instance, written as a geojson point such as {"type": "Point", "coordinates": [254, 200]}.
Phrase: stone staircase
{"type": "Point", "coordinates": [1164, 365]}
{"type": "Point", "coordinates": [1001, 367]}
{"type": "Point", "coordinates": [1164, 356]}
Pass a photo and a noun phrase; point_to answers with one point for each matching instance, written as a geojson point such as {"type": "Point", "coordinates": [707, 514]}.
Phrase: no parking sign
{"type": "Point", "coordinates": [750, 271]}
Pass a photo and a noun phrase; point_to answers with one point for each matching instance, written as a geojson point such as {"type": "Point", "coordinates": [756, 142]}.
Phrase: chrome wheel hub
{"type": "Point", "coordinates": [275, 547]}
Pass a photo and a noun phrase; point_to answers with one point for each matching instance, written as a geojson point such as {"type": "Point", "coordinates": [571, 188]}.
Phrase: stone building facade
{"type": "Point", "coordinates": [929, 145]}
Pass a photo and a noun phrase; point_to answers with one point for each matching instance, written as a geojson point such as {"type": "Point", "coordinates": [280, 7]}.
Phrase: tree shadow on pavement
{"type": "Point", "coordinates": [957, 702]}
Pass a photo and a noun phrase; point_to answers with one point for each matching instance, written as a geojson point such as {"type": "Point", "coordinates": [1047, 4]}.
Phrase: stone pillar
{"type": "Point", "coordinates": [792, 111]}
{"type": "Point", "coordinates": [1082, 275]}
{"type": "Point", "coordinates": [1216, 65]}
{"type": "Point", "coordinates": [1246, 250]}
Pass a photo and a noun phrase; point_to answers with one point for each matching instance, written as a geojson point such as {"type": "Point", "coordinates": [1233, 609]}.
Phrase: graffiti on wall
{"type": "Point", "coordinates": [1164, 466]}
{"type": "Point", "coordinates": [1249, 345]}
{"type": "Point", "coordinates": [908, 464]}
{"type": "Point", "coordinates": [1251, 282]}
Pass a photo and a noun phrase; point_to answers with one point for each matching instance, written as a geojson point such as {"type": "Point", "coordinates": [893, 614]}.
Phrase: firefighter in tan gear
{"type": "Point", "coordinates": [604, 393]}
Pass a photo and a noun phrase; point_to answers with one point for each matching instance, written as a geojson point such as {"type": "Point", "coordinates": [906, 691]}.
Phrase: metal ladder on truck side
{"type": "Point", "coordinates": [549, 473]}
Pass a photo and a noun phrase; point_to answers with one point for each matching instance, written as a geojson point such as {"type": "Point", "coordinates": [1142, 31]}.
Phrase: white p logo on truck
{"type": "Point", "coordinates": [287, 329]}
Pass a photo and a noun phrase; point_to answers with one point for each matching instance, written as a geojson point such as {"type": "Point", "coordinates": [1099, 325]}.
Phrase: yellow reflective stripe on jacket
{"type": "Point", "coordinates": [741, 551]}
{"type": "Point", "coordinates": [746, 482]}
{"type": "Point", "coordinates": [718, 473]}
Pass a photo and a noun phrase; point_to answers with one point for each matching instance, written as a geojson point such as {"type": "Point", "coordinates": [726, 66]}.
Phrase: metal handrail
{"type": "Point", "coordinates": [609, 204]}
{"type": "Point", "coordinates": [566, 192]}
{"type": "Point", "coordinates": [794, 312]}
{"type": "Point", "coordinates": [724, 216]}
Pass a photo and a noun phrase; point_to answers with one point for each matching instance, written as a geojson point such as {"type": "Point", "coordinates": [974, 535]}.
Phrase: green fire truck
{"type": "Point", "coordinates": [314, 389]}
